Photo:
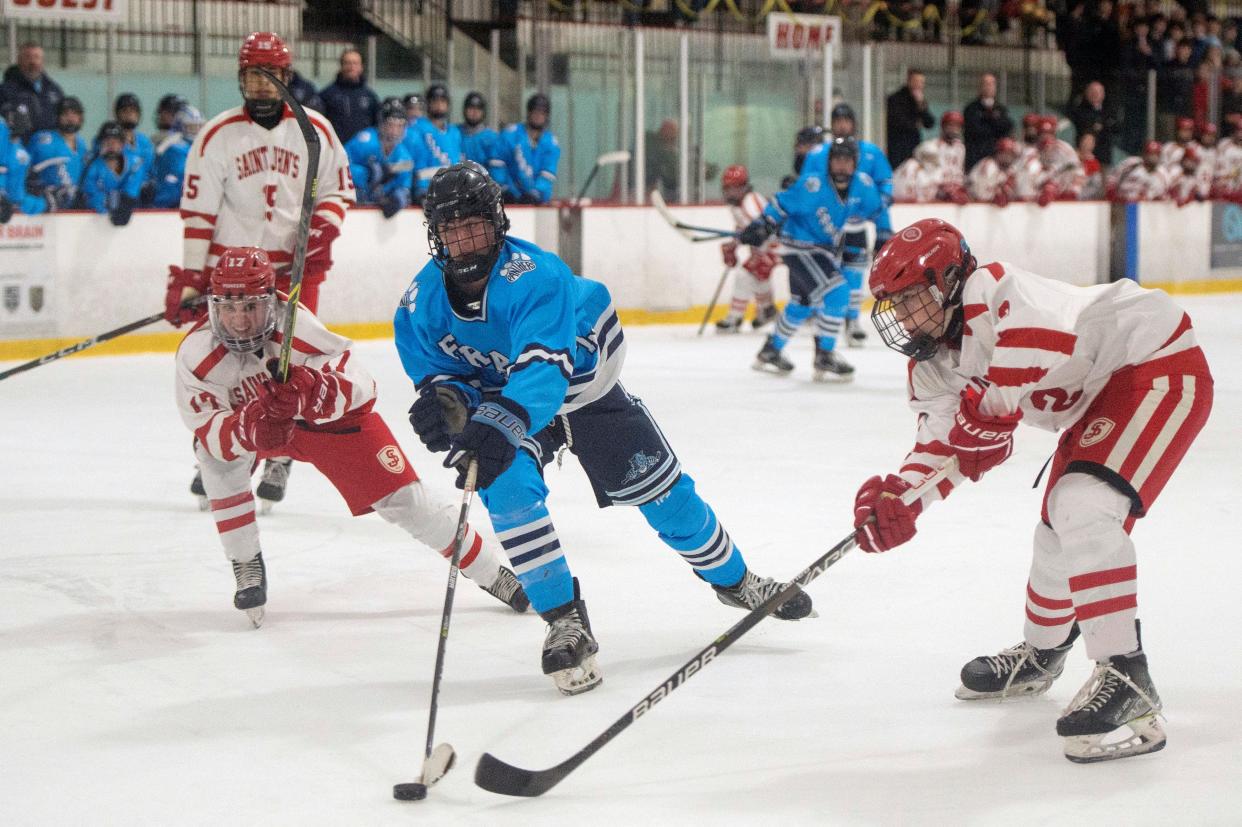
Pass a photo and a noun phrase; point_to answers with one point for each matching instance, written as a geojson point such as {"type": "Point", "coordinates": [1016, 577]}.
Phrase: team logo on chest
{"type": "Point", "coordinates": [516, 266]}
{"type": "Point", "coordinates": [263, 158]}
{"type": "Point", "coordinates": [1097, 431]}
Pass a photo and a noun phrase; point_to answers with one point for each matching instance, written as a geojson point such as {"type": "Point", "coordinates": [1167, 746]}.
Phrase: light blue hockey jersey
{"type": "Point", "coordinates": [811, 211]}
{"type": "Point", "coordinates": [522, 168]}
{"type": "Point", "coordinates": [14, 164]}
{"type": "Point", "coordinates": [541, 337]}
{"type": "Point", "coordinates": [101, 185]}
{"type": "Point", "coordinates": [873, 162]}
{"type": "Point", "coordinates": [54, 163]}
{"type": "Point", "coordinates": [479, 144]}
{"type": "Point", "coordinates": [369, 166]}
{"type": "Point", "coordinates": [170, 158]}
{"type": "Point", "coordinates": [432, 149]}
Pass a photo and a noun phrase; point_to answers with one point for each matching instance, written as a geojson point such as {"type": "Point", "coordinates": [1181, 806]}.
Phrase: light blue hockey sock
{"type": "Point", "coordinates": [789, 322]}
{"type": "Point", "coordinates": [688, 526]}
{"type": "Point", "coordinates": [831, 316]}
{"type": "Point", "coordinates": [854, 277]}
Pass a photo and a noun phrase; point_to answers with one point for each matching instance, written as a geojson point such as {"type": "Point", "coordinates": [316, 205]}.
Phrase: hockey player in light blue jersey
{"type": "Point", "coordinates": [58, 156]}
{"type": "Point", "coordinates": [528, 156]}
{"type": "Point", "coordinates": [16, 127]}
{"type": "Point", "coordinates": [171, 154]}
{"type": "Point", "coordinates": [854, 258]}
{"type": "Point", "coordinates": [500, 335]}
{"type": "Point", "coordinates": [432, 141]}
{"type": "Point", "coordinates": [128, 113]}
{"type": "Point", "coordinates": [114, 178]}
{"type": "Point", "coordinates": [479, 142]}
{"type": "Point", "coordinates": [829, 200]}
{"type": "Point", "coordinates": [381, 166]}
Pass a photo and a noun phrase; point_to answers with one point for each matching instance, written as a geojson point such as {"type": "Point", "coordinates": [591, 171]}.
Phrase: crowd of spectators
{"type": "Point", "coordinates": [395, 146]}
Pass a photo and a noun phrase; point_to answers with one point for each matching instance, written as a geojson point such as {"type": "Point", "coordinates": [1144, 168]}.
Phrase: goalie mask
{"type": "Point", "coordinates": [917, 281]}
{"type": "Point", "coordinates": [466, 222]}
{"type": "Point", "coordinates": [242, 299]}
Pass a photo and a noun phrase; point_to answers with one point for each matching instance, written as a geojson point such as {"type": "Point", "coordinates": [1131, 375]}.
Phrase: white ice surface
{"type": "Point", "coordinates": [131, 692]}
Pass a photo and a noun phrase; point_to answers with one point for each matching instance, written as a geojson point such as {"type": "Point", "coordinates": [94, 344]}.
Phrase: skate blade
{"type": "Point", "coordinates": [255, 615]}
{"type": "Point", "coordinates": [1021, 691]}
{"type": "Point", "coordinates": [578, 679]}
{"type": "Point", "coordinates": [203, 503]}
{"type": "Point", "coordinates": [832, 378]}
{"type": "Point", "coordinates": [764, 367]}
{"type": "Point", "coordinates": [442, 759]}
{"type": "Point", "coordinates": [1146, 736]}
{"type": "Point", "coordinates": [265, 506]}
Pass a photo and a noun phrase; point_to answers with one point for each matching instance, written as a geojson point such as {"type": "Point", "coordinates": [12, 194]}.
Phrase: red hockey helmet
{"type": "Point", "coordinates": [1006, 146]}
{"type": "Point", "coordinates": [1185, 125]}
{"type": "Point", "coordinates": [1032, 120]}
{"type": "Point", "coordinates": [917, 281]}
{"type": "Point", "coordinates": [735, 176]}
{"type": "Point", "coordinates": [242, 303]}
{"type": "Point", "coordinates": [1152, 148]}
{"type": "Point", "coordinates": [264, 49]}
{"type": "Point", "coordinates": [952, 117]}
{"type": "Point", "coordinates": [1209, 130]}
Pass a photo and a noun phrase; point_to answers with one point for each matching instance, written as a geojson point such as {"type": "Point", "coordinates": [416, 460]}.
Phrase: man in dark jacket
{"type": "Point", "coordinates": [987, 121]}
{"type": "Point", "coordinates": [304, 92]}
{"type": "Point", "coordinates": [1175, 84]}
{"type": "Point", "coordinates": [349, 104]}
{"type": "Point", "coordinates": [907, 112]}
{"type": "Point", "coordinates": [1091, 115]}
{"type": "Point", "coordinates": [26, 83]}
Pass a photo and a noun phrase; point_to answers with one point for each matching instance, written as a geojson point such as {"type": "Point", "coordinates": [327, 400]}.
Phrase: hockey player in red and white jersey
{"type": "Point", "coordinates": [950, 158]}
{"type": "Point", "coordinates": [1139, 178]}
{"type": "Point", "coordinates": [992, 179]}
{"type": "Point", "coordinates": [1028, 147]}
{"type": "Point", "coordinates": [1183, 136]}
{"type": "Point", "coordinates": [754, 279]}
{"type": "Point", "coordinates": [322, 415]}
{"type": "Point", "coordinates": [1062, 175]}
{"type": "Point", "coordinates": [1227, 175]}
{"type": "Point", "coordinates": [1116, 368]}
{"type": "Point", "coordinates": [243, 186]}
{"type": "Point", "coordinates": [1189, 180]}
{"type": "Point", "coordinates": [917, 180]}
{"type": "Point", "coordinates": [1207, 143]}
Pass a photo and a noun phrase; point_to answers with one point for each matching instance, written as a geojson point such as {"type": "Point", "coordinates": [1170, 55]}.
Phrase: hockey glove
{"type": "Point", "coordinates": [760, 265]}
{"type": "Point", "coordinates": [260, 427]}
{"type": "Point", "coordinates": [6, 209]}
{"type": "Point", "coordinates": [391, 204]}
{"type": "Point", "coordinates": [120, 213]}
{"type": "Point", "coordinates": [881, 520]}
{"type": "Point", "coordinates": [728, 251]}
{"type": "Point", "coordinates": [758, 231]}
{"type": "Point", "coordinates": [492, 436]}
{"type": "Point", "coordinates": [319, 245]}
{"type": "Point", "coordinates": [1047, 194]}
{"type": "Point", "coordinates": [531, 197]}
{"type": "Point", "coordinates": [438, 415]}
{"type": "Point", "coordinates": [308, 393]}
{"type": "Point", "coordinates": [980, 442]}
{"type": "Point", "coordinates": [184, 286]}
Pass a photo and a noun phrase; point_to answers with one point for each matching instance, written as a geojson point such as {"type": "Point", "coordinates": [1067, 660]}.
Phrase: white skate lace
{"type": "Point", "coordinates": [248, 574]}
{"type": "Point", "coordinates": [754, 590]}
{"type": "Point", "coordinates": [504, 586]}
{"type": "Point", "coordinates": [565, 632]}
{"type": "Point", "coordinates": [1104, 683]}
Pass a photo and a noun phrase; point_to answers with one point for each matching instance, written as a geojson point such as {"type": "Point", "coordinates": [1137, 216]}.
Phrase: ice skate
{"type": "Point", "coordinates": [1018, 670]}
{"type": "Point", "coordinates": [508, 591]}
{"type": "Point", "coordinates": [251, 596]}
{"type": "Point", "coordinates": [272, 485]}
{"type": "Point", "coordinates": [829, 367]}
{"type": "Point", "coordinates": [752, 591]}
{"type": "Point", "coordinates": [763, 316]}
{"type": "Point", "coordinates": [1119, 696]}
{"type": "Point", "coordinates": [569, 648]}
{"type": "Point", "coordinates": [855, 334]}
{"type": "Point", "coordinates": [729, 324]}
{"type": "Point", "coordinates": [771, 359]}
{"type": "Point", "coordinates": [196, 488]}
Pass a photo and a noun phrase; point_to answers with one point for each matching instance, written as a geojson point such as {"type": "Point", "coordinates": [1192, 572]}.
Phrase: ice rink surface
{"type": "Point", "coordinates": [131, 691]}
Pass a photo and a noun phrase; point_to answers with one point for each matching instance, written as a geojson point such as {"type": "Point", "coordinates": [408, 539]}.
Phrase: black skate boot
{"type": "Point", "coordinates": [829, 367]}
{"type": "Point", "coordinates": [729, 324]}
{"type": "Point", "coordinates": [763, 316]}
{"type": "Point", "coordinates": [196, 488]}
{"type": "Point", "coordinates": [752, 591]}
{"type": "Point", "coordinates": [1018, 670]}
{"type": "Point", "coordinates": [569, 648]}
{"type": "Point", "coordinates": [272, 485]}
{"type": "Point", "coordinates": [1118, 694]}
{"type": "Point", "coordinates": [508, 591]}
{"type": "Point", "coordinates": [251, 596]}
{"type": "Point", "coordinates": [855, 333]}
{"type": "Point", "coordinates": [770, 358]}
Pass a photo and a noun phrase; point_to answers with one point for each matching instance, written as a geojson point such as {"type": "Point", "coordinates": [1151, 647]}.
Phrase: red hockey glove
{"type": "Point", "coordinates": [305, 392]}
{"type": "Point", "coordinates": [319, 245]}
{"type": "Point", "coordinates": [1002, 198]}
{"type": "Point", "coordinates": [728, 251]}
{"type": "Point", "coordinates": [261, 425]}
{"type": "Point", "coordinates": [184, 285]}
{"type": "Point", "coordinates": [980, 442]}
{"type": "Point", "coordinates": [760, 265]}
{"type": "Point", "coordinates": [1047, 194]}
{"type": "Point", "coordinates": [956, 194]}
{"type": "Point", "coordinates": [881, 520]}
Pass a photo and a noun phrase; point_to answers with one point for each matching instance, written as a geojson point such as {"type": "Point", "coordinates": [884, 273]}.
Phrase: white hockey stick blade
{"type": "Point", "coordinates": [617, 156]}
{"type": "Point", "coordinates": [437, 765]}
{"type": "Point", "coordinates": [657, 201]}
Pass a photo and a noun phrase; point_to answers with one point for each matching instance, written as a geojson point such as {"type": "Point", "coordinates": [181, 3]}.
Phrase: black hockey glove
{"type": "Point", "coordinates": [531, 197]}
{"type": "Point", "coordinates": [123, 210]}
{"type": "Point", "coordinates": [438, 415]}
{"type": "Point", "coordinates": [881, 238]}
{"type": "Point", "coordinates": [758, 231]}
{"type": "Point", "coordinates": [390, 204]}
{"type": "Point", "coordinates": [492, 436]}
{"type": "Point", "coordinates": [6, 209]}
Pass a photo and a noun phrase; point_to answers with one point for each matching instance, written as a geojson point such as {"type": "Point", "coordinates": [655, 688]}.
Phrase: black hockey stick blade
{"type": "Point", "coordinates": [496, 776]}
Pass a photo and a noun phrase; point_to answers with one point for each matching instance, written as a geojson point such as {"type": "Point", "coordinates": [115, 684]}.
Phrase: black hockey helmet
{"type": "Point", "coordinates": [843, 110]}
{"type": "Point", "coordinates": [843, 146]}
{"type": "Point", "coordinates": [474, 100]}
{"type": "Point", "coordinates": [809, 136]}
{"type": "Point", "coordinates": [126, 100]}
{"type": "Point", "coordinates": [392, 107]}
{"type": "Point", "coordinates": [110, 129]}
{"type": "Point", "coordinates": [539, 101]}
{"type": "Point", "coordinates": [69, 104]}
{"type": "Point", "coordinates": [17, 116]}
{"type": "Point", "coordinates": [437, 91]}
{"type": "Point", "coordinates": [462, 191]}
{"type": "Point", "coordinates": [169, 103]}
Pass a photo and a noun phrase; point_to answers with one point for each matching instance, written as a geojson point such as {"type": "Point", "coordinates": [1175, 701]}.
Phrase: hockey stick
{"type": "Point", "coordinates": [618, 156]}
{"type": "Point", "coordinates": [496, 776]}
{"type": "Point", "coordinates": [94, 340]}
{"type": "Point", "coordinates": [437, 762]}
{"type": "Point", "coordinates": [687, 230]}
{"type": "Point", "coordinates": [712, 304]}
{"type": "Point", "coordinates": [308, 206]}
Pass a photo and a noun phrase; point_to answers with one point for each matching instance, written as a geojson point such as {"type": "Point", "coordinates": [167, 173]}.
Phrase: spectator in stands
{"type": "Point", "coordinates": [529, 156]}
{"type": "Point", "coordinates": [1091, 116]}
{"type": "Point", "coordinates": [349, 104]}
{"type": "Point", "coordinates": [662, 160]}
{"type": "Point", "coordinates": [165, 113]}
{"type": "Point", "coordinates": [304, 92]}
{"type": "Point", "coordinates": [478, 140]}
{"type": "Point", "coordinates": [1089, 35]}
{"type": "Point", "coordinates": [26, 82]}
{"type": "Point", "coordinates": [906, 113]}
{"type": "Point", "coordinates": [987, 121]}
{"type": "Point", "coordinates": [57, 156]}
{"type": "Point", "coordinates": [1175, 84]}
{"type": "Point", "coordinates": [113, 179]}
{"type": "Point", "coordinates": [16, 127]}
{"type": "Point", "coordinates": [1138, 59]}
{"type": "Point", "coordinates": [171, 154]}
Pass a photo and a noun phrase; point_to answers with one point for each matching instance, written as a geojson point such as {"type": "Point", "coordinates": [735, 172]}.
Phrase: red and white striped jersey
{"type": "Point", "coordinates": [1227, 174]}
{"type": "Point", "coordinates": [1207, 156]}
{"type": "Point", "coordinates": [987, 179]}
{"type": "Point", "coordinates": [752, 207]}
{"type": "Point", "coordinates": [1039, 346]}
{"type": "Point", "coordinates": [243, 186]}
{"type": "Point", "coordinates": [1171, 153]}
{"type": "Point", "coordinates": [1062, 168]}
{"type": "Point", "coordinates": [951, 156]}
{"type": "Point", "coordinates": [914, 183]}
{"type": "Point", "coordinates": [213, 383]}
{"type": "Point", "coordinates": [1184, 188]}
{"type": "Point", "coordinates": [1132, 181]}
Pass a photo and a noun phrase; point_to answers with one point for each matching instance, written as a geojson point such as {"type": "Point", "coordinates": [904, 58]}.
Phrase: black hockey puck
{"type": "Point", "coordinates": [409, 792]}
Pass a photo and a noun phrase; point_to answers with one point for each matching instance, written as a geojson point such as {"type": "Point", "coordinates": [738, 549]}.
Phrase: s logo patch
{"type": "Point", "coordinates": [391, 458]}
{"type": "Point", "coordinates": [1097, 431]}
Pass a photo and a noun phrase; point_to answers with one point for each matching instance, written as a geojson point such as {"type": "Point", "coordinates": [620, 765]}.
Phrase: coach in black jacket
{"type": "Point", "coordinates": [26, 82]}
{"type": "Point", "coordinates": [907, 111]}
{"type": "Point", "coordinates": [987, 121]}
{"type": "Point", "coordinates": [349, 103]}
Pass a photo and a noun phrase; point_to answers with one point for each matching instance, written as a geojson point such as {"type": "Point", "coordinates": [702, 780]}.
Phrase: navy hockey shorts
{"type": "Point", "coordinates": [619, 445]}
{"type": "Point", "coordinates": [812, 274]}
